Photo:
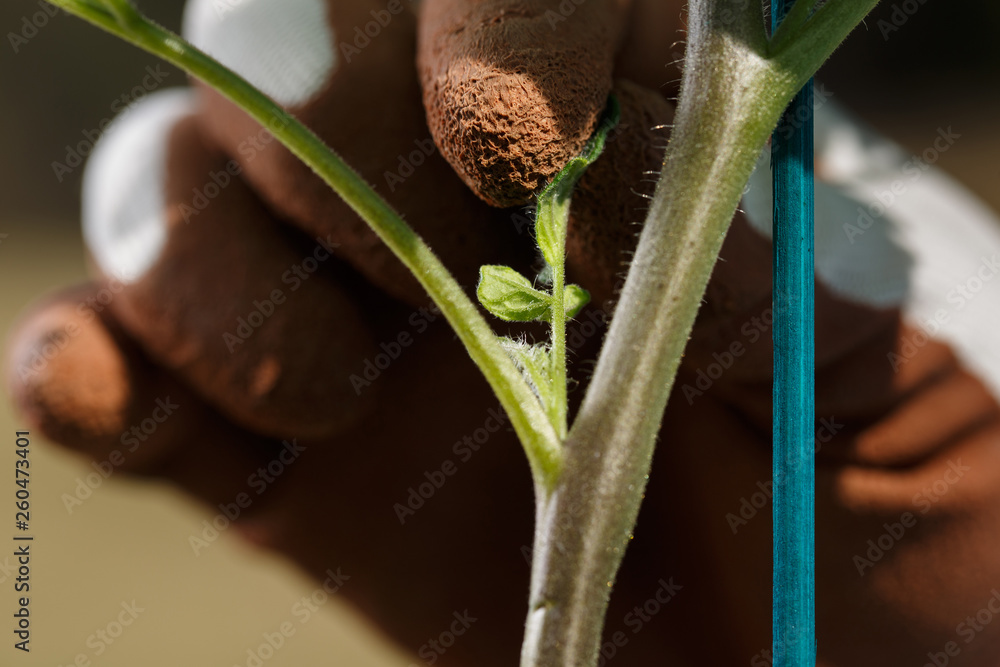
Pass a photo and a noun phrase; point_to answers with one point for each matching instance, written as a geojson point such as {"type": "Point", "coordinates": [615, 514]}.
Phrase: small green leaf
{"type": "Point", "coordinates": [510, 296]}
{"type": "Point", "coordinates": [575, 299]}
{"type": "Point", "coordinates": [550, 234]}
{"type": "Point", "coordinates": [553, 202]}
{"type": "Point", "coordinates": [535, 364]}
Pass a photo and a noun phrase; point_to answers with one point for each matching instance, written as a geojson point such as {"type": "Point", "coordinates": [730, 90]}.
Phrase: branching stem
{"type": "Point", "coordinates": [540, 440]}
{"type": "Point", "coordinates": [560, 397]}
{"type": "Point", "coordinates": [735, 86]}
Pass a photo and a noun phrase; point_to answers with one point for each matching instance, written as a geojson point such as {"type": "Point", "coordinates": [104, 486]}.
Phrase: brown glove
{"type": "Point", "coordinates": [250, 339]}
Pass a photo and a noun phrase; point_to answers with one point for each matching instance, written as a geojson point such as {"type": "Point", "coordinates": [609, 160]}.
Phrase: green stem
{"type": "Point", "coordinates": [560, 399]}
{"type": "Point", "coordinates": [556, 208]}
{"type": "Point", "coordinates": [551, 227]}
{"type": "Point", "coordinates": [793, 21]}
{"type": "Point", "coordinates": [732, 97]}
{"type": "Point", "coordinates": [736, 85]}
{"type": "Point", "coordinates": [539, 438]}
{"type": "Point", "coordinates": [800, 54]}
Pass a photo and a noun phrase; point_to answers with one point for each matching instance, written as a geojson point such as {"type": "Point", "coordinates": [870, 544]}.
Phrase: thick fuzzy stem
{"type": "Point", "coordinates": [735, 86]}
{"type": "Point", "coordinates": [732, 96]}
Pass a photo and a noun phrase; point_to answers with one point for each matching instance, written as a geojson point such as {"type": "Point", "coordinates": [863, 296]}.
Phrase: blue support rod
{"type": "Point", "coordinates": [794, 610]}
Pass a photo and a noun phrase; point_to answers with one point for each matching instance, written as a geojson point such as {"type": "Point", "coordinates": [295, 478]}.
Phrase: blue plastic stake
{"type": "Point", "coordinates": [794, 621]}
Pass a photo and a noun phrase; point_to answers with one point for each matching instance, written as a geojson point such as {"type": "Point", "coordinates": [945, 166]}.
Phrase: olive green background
{"type": "Point", "coordinates": [129, 540]}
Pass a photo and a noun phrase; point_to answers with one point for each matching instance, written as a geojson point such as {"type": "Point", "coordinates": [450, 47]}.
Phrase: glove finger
{"type": "Point", "coordinates": [79, 380]}
{"type": "Point", "coordinates": [345, 70]}
{"type": "Point", "coordinates": [514, 88]}
{"type": "Point", "coordinates": [222, 296]}
{"type": "Point", "coordinates": [71, 377]}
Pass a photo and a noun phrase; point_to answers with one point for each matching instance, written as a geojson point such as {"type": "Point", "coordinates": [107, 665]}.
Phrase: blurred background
{"type": "Point", "coordinates": [915, 66]}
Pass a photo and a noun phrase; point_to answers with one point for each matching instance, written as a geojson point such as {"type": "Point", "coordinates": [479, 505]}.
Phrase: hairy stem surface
{"type": "Point", "coordinates": [736, 84]}
{"type": "Point", "coordinates": [733, 93]}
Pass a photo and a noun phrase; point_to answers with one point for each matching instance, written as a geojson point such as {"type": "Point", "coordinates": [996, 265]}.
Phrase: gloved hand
{"type": "Point", "coordinates": [247, 337]}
